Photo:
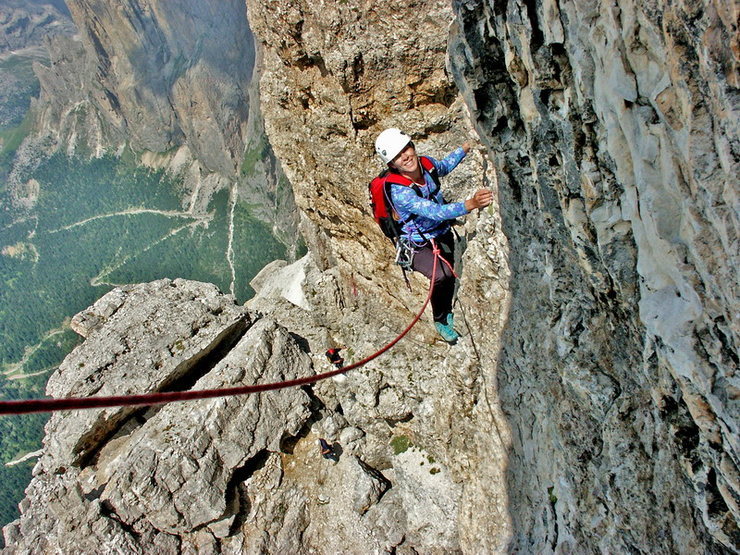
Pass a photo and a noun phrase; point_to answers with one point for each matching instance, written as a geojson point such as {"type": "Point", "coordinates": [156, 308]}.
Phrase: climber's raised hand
{"type": "Point", "coordinates": [481, 199]}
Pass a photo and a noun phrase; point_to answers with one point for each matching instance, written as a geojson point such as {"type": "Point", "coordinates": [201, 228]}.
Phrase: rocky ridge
{"type": "Point", "coordinates": [592, 402]}
{"type": "Point", "coordinates": [600, 298]}
{"type": "Point", "coordinates": [236, 475]}
{"type": "Point", "coordinates": [24, 26]}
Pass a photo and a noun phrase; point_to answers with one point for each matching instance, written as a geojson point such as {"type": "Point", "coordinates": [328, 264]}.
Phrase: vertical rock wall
{"type": "Point", "coordinates": [156, 75]}
{"type": "Point", "coordinates": [335, 74]}
{"type": "Point", "coordinates": [615, 130]}
{"type": "Point", "coordinates": [176, 83]}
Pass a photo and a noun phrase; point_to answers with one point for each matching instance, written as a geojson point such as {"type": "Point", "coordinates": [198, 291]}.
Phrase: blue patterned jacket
{"type": "Point", "coordinates": [432, 214]}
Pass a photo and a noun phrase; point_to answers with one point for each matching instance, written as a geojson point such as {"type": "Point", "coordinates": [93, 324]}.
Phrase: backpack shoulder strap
{"type": "Point", "coordinates": [411, 185]}
{"type": "Point", "coordinates": [396, 179]}
{"type": "Point", "coordinates": [393, 178]}
{"type": "Point", "coordinates": [428, 165]}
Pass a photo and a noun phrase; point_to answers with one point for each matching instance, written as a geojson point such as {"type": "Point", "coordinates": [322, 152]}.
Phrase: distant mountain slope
{"type": "Point", "coordinates": [27, 23]}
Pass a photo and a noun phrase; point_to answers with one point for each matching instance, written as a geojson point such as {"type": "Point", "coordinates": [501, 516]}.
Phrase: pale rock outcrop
{"type": "Point", "coordinates": [162, 478]}
{"type": "Point", "coordinates": [279, 279]}
{"type": "Point", "coordinates": [137, 350]}
{"type": "Point", "coordinates": [236, 474]}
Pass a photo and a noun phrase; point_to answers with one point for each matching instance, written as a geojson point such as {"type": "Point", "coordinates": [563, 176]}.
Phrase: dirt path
{"type": "Point", "coordinates": [233, 197]}
{"type": "Point", "coordinates": [12, 369]}
{"type": "Point", "coordinates": [131, 212]}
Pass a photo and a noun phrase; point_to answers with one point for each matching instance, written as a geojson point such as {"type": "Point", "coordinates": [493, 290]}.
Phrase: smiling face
{"type": "Point", "coordinates": [407, 161]}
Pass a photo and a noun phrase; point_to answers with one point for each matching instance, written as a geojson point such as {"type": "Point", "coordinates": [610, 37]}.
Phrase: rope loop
{"type": "Point", "coordinates": [28, 406]}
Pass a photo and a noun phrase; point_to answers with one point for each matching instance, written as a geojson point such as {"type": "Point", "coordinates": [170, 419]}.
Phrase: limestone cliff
{"type": "Point", "coordinates": [25, 24]}
{"type": "Point", "coordinates": [592, 403]}
{"type": "Point", "coordinates": [142, 78]}
{"type": "Point", "coordinates": [615, 129]}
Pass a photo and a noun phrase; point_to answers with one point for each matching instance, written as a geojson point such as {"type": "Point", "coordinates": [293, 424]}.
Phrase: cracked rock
{"type": "Point", "coordinates": [175, 468]}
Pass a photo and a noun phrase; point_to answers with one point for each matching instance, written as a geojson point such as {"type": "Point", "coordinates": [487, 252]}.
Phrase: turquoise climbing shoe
{"type": "Point", "coordinates": [446, 331]}
{"type": "Point", "coordinates": [451, 320]}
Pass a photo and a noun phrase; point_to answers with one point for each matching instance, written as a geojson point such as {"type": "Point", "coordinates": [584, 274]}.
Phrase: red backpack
{"type": "Point", "coordinates": [380, 197]}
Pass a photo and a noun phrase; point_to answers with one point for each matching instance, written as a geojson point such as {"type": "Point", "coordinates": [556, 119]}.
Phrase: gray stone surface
{"type": "Point", "coordinates": [147, 338]}
{"type": "Point", "coordinates": [141, 79]}
{"type": "Point", "coordinates": [615, 127]}
{"type": "Point", "coordinates": [165, 477]}
{"type": "Point", "coordinates": [593, 399]}
{"type": "Point", "coordinates": [26, 24]}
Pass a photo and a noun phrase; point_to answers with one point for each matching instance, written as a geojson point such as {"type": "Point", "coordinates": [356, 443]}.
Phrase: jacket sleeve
{"type": "Point", "coordinates": [449, 162]}
{"type": "Point", "coordinates": [407, 201]}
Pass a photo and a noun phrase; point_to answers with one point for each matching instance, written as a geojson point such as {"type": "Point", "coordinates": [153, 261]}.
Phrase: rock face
{"type": "Point", "coordinates": [592, 402]}
{"type": "Point", "coordinates": [158, 479]}
{"type": "Point", "coordinates": [615, 129]}
{"type": "Point", "coordinates": [140, 78]}
{"type": "Point", "coordinates": [159, 79]}
{"type": "Point", "coordinates": [25, 24]}
{"type": "Point", "coordinates": [238, 474]}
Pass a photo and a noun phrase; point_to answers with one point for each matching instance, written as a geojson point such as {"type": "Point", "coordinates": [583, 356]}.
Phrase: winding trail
{"type": "Point", "coordinates": [14, 371]}
{"type": "Point", "coordinates": [47, 370]}
{"type": "Point", "coordinates": [26, 457]}
{"type": "Point", "coordinates": [233, 197]}
{"type": "Point", "coordinates": [11, 369]}
{"type": "Point", "coordinates": [131, 212]}
{"type": "Point", "coordinates": [199, 220]}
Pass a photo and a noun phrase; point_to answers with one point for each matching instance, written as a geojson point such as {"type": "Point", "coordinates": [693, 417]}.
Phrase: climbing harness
{"type": "Point", "coordinates": [69, 403]}
{"type": "Point", "coordinates": [387, 217]}
{"type": "Point", "coordinates": [404, 254]}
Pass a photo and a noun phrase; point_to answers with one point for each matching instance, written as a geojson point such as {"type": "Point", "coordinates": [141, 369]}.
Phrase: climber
{"type": "Point", "coordinates": [327, 451]}
{"type": "Point", "coordinates": [334, 357]}
{"type": "Point", "coordinates": [425, 216]}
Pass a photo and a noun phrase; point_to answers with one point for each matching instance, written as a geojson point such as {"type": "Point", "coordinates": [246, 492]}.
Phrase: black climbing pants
{"type": "Point", "coordinates": [444, 282]}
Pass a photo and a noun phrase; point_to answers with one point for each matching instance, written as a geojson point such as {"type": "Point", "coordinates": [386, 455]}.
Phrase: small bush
{"type": "Point", "coordinates": [400, 444]}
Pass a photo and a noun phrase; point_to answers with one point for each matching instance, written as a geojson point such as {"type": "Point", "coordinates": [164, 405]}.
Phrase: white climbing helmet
{"type": "Point", "coordinates": [390, 142]}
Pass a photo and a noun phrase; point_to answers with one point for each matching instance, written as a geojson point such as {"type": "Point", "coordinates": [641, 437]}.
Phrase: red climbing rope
{"type": "Point", "coordinates": [69, 403]}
